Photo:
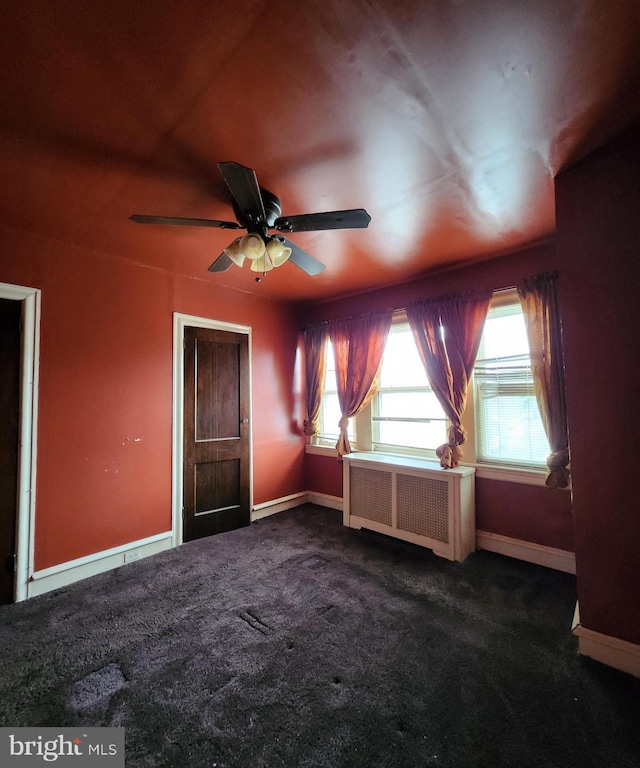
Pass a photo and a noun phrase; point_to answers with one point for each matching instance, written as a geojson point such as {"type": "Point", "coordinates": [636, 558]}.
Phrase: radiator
{"type": "Point", "coordinates": [412, 499]}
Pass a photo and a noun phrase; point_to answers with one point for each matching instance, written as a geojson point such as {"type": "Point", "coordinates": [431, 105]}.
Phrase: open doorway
{"type": "Point", "coordinates": [21, 341]}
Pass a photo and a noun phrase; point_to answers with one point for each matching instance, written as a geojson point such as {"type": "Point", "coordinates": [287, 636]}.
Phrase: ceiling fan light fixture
{"type": "Point", "coordinates": [278, 252]}
{"type": "Point", "coordinates": [263, 264]}
{"type": "Point", "coordinates": [252, 246]}
{"type": "Point", "coordinates": [234, 252]}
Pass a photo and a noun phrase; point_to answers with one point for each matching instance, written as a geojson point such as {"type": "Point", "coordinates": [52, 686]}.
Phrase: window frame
{"type": "Point", "coordinates": [502, 298]}
{"type": "Point", "coordinates": [399, 321]}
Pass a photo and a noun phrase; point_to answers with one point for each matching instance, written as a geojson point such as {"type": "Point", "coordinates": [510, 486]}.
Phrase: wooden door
{"type": "Point", "coordinates": [216, 432]}
{"type": "Point", "coordinates": [10, 315]}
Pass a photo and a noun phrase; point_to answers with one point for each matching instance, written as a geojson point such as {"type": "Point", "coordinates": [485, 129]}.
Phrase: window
{"type": "Point", "coordinates": [405, 411]}
{"type": "Point", "coordinates": [404, 416]}
{"type": "Point", "coordinates": [330, 408]}
{"type": "Point", "coordinates": [508, 425]}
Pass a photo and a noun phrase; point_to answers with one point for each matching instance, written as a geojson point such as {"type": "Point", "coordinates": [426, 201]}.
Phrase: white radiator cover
{"type": "Point", "coordinates": [412, 499]}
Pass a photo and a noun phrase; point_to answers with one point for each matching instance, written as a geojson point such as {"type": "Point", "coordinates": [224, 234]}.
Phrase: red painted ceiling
{"type": "Point", "coordinates": [447, 120]}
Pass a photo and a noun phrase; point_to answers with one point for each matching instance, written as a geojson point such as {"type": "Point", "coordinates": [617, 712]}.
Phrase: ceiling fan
{"type": "Point", "coordinates": [259, 211]}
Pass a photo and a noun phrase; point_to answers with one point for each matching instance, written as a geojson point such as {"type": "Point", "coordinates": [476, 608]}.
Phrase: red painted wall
{"type": "Point", "coordinates": [323, 474]}
{"type": "Point", "coordinates": [105, 408]}
{"type": "Point", "coordinates": [530, 513]}
{"type": "Point", "coordinates": [598, 225]}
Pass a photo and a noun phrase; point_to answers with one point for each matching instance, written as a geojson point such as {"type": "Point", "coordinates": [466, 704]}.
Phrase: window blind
{"type": "Point", "coordinates": [508, 424]}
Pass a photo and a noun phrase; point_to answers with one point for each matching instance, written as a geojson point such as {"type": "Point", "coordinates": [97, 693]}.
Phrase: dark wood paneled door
{"type": "Point", "coordinates": [216, 432]}
{"type": "Point", "coordinates": [10, 314]}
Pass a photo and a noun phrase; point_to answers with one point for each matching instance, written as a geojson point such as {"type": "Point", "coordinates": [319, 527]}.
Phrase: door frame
{"type": "Point", "coordinates": [180, 322]}
{"type": "Point", "coordinates": [28, 429]}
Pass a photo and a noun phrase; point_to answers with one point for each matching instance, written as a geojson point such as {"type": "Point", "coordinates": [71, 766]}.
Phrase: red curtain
{"type": "Point", "coordinates": [448, 332]}
{"type": "Point", "coordinates": [358, 344]}
{"type": "Point", "coordinates": [539, 299]}
{"type": "Point", "coordinates": [315, 364]}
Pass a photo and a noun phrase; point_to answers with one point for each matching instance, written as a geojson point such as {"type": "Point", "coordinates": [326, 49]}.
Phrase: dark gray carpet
{"type": "Point", "coordinates": [297, 642]}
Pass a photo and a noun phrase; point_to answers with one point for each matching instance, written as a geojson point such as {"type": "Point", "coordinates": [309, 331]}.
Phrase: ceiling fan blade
{"type": "Point", "coordinates": [180, 222]}
{"type": "Point", "coordinates": [243, 185]}
{"type": "Point", "coordinates": [221, 264]}
{"type": "Point", "coordinates": [357, 218]}
{"type": "Point", "coordinates": [303, 260]}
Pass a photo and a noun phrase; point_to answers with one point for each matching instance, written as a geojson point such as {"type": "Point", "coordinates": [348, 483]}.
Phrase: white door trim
{"type": "Point", "coordinates": [180, 322]}
{"type": "Point", "coordinates": [29, 365]}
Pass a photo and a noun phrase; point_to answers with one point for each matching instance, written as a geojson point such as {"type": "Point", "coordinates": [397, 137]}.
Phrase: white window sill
{"type": "Point", "coordinates": [321, 450]}
{"type": "Point", "coordinates": [510, 474]}
{"type": "Point", "coordinates": [483, 471]}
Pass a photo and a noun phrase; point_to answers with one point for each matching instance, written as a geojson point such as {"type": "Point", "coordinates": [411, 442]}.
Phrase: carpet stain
{"type": "Point", "coordinates": [330, 613]}
{"type": "Point", "coordinates": [96, 688]}
{"type": "Point", "coordinates": [255, 623]}
{"type": "Point", "coordinates": [314, 562]}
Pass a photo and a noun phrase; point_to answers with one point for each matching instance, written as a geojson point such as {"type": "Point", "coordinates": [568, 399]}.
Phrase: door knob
{"type": "Point", "coordinates": [244, 421]}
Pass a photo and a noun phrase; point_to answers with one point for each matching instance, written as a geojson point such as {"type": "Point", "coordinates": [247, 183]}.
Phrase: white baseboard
{"type": "Point", "coordinates": [559, 559]}
{"type": "Point", "coordinates": [325, 500]}
{"type": "Point", "coordinates": [608, 650]}
{"type": "Point", "coordinates": [74, 570]}
{"type": "Point", "coordinates": [295, 500]}
{"type": "Point", "coordinates": [67, 573]}
{"type": "Point", "coordinates": [278, 505]}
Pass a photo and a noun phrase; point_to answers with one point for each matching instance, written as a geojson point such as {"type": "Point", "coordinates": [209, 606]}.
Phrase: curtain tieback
{"type": "Point", "coordinates": [343, 424]}
{"type": "Point", "coordinates": [311, 428]}
{"type": "Point", "coordinates": [449, 455]}
{"type": "Point", "coordinates": [457, 435]}
{"type": "Point", "coordinates": [558, 460]}
{"type": "Point", "coordinates": [450, 452]}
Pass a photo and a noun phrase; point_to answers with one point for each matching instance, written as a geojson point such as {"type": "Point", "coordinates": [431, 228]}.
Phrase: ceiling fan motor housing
{"type": "Point", "coordinates": [272, 210]}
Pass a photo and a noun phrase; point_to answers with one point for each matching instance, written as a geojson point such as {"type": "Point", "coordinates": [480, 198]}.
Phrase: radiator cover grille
{"type": "Point", "coordinates": [423, 506]}
{"type": "Point", "coordinates": [412, 499]}
{"type": "Point", "coordinates": [370, 491]}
